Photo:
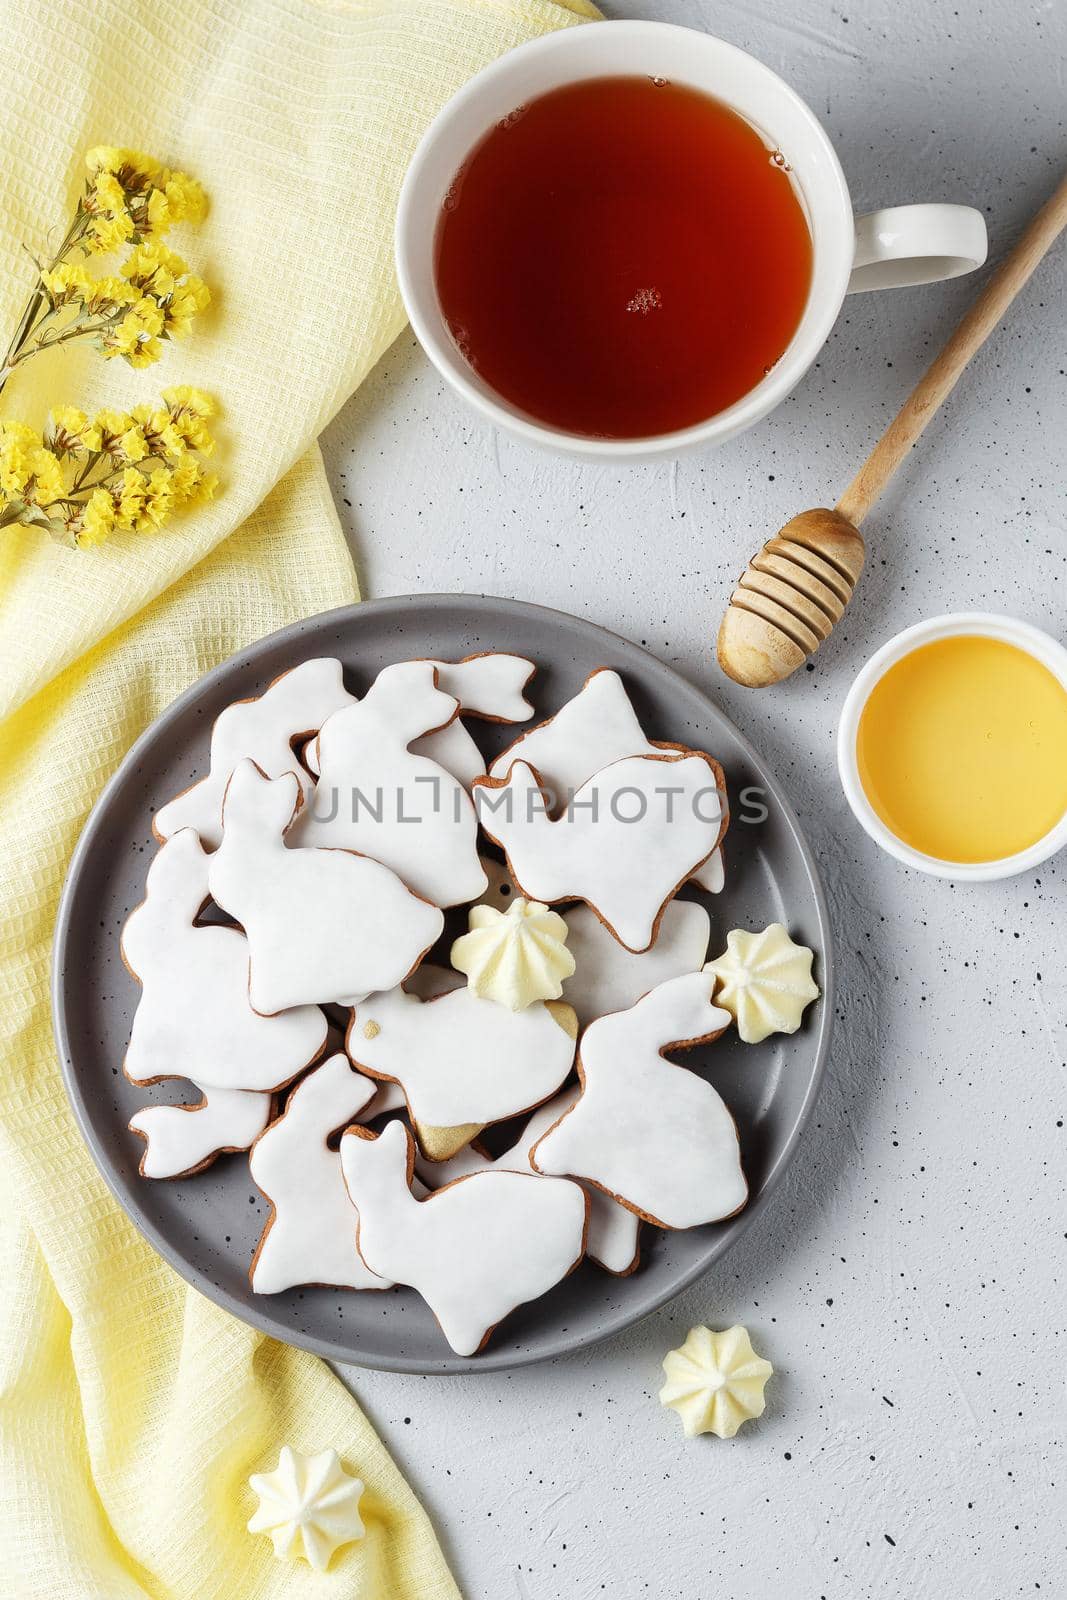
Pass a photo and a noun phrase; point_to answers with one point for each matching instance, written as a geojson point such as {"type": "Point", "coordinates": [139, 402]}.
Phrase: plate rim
{"type": "Point", "coordinates": [553, 1345]}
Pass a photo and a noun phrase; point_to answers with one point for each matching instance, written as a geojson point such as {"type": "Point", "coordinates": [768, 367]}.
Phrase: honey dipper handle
{"type": "Point", "coordinates": [940, 378]}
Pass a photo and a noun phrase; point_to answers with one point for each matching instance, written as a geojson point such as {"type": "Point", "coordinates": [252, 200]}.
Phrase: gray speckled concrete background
{"type": "Point", "coordinates": [908, 1283]}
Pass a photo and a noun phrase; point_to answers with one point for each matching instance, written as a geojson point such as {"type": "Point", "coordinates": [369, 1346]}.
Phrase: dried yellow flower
{"type": "Point", "coordinates": [107, 232]}
{"type": "Point", "coordinates": [189, 410]}
{"type": "Point", "coordinates": [17, 444]}
{"type": "Point", "coordinates": [68, 282]}
{"type": "Point", "coordinates": [129, 199]}
{"type": "Point", "coordinates": [84, 479]}
{"type": "Point", "coordinates": [97, 519]}
{"type": "Point", "coordinates": [132, 446]}
{"type": "Point", "coordinates": [70, 432]}
{"type": "Point", "coordinates": [116, 472]}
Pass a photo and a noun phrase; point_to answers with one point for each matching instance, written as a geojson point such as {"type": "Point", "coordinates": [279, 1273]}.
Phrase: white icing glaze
{"type": "Point", "coordinates": [489, 685]}
{"type": "Point", "coordinates": [311, 1235]}
{"type": "Point", "coordinates": [596, 728]}
{"type": "Point", "coordinates": [322, 924]}
{"type": "Point", "coordinates": [651, 1133]}
{"type": "Point", "coordinates": [453, 749]}
{"type": "Point", "coordinates": [181, 1139]}
{"type": "Point", "coordinates": [194, 1019]}
{"type": "Point", "coordinates": [296, 704]}
{"type": "Point", "coordinates": [715, 1381]}
{"type": "Point", "coordinates": [460, 1059]}
{"type": "Point", "coordinates": [711, 877]}
{"type": "Point", "coordinates": [612, 1234]}
{"type": "Point", "coordinates": [309, 1505]}
{"type": "Point", "coordinates": [629, 839]}
{"type": "Point", "coordinates": [764, 981]}
{"type": "Point", "coordinates": [474, 1250]}
{"type": "Point", "coordinates": [472, 1158]}
{"type": "Point", "coordinates": [387, 1097]}
{"type": "Point", "coordinates": [515, 956]}
{"type": "Point", "coordinates": [378, 797]}
{"type": "Point", "coordinates": [608, 977]}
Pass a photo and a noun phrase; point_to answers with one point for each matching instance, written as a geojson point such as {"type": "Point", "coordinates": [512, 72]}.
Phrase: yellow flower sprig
{"type": "Point", "coordinates": [85, 478]}
{"type": "Point", "coordinates": [129, 200]}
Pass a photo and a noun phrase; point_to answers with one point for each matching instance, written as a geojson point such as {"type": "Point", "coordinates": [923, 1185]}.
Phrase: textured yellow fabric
{"type": "Point", "coordinates": [131, 1409]}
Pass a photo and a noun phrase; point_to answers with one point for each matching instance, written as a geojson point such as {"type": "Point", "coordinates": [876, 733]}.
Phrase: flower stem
{"type": "Point", "coordinates": [28, 321]}
{"type": "Point", "coordinates": [77, 330]}
{"type": "Point", "coordinates": [90, 462]}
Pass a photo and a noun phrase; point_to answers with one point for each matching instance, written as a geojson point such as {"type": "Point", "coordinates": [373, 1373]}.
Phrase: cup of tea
{"type": "Point", "coordinates": [629, 240]}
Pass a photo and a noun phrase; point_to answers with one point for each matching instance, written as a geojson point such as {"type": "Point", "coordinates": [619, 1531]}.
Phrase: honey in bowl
{"type": "Point", "coordinates": [622, 258]}
{"type": "Point", "coordinates": [962, 749]}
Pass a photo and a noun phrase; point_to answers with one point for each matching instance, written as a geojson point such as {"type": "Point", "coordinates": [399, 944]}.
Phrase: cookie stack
{"type": "Point", "coordinates": [350, 928]}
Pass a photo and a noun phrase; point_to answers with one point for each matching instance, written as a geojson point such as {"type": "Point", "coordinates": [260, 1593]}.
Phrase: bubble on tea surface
{"type": "Point", "coordinates": [512, 117]}
{"type": "Point", "coordinates": [461, 339]}
{"type": "Point", "coordinates": [644, 301]}
{"type": "Point", "coordinates": [660, 83]}
{"type": "Point", "coordinates": [778, 160]}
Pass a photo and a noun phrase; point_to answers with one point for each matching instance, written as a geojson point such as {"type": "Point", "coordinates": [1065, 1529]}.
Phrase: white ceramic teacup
{"type": "Point", "coordinates": [890, 248]}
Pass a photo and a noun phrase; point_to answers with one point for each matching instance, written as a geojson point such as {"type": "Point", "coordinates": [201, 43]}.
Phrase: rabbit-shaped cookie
{"type": "Point", "coordinates": [311, 1234]}
{"type": "Point", "coordinates": [653, 1135]}
{"type": "Point", "coordinates": [265, 729]}
{"type": "Point", "coordinates": [194, 1019]}
{"type": "Point", "coordinates": [322, 925]}
{"type": "Point", "coordinates": [377, 796]}
{"type": "Point", "coordinates": [474, 1250]}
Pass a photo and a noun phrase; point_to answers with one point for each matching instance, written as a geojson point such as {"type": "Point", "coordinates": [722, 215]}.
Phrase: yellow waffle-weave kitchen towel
{"type": "Point", "coordinates": [131, 1409]}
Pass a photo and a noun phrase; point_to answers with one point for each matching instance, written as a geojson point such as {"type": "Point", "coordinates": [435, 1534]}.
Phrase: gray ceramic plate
{"type": "Point", "coordinates": [207, 1226]}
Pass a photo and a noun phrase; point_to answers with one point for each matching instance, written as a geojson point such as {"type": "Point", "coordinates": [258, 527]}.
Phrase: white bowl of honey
{"type": "Point", "coordinates": [952, 746]}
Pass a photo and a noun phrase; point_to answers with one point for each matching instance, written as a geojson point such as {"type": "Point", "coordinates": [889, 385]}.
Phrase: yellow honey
{"type": "Point", "coordinates": [962, 749]}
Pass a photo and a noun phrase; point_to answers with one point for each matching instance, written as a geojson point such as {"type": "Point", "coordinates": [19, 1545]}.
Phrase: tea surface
{"type": "Point", "coordinates": [622, 257]}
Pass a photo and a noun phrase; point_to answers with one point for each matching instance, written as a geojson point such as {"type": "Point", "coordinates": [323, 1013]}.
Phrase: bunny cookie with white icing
{"type": "Point", "coordinates": [311, 1234]}
{"type": "Point", "coordinates": [377, 796]}
{"type": "Point", "coordinates": [292, 708]}
{"type": "Point", "coordinates": [476, 1249]}
{"type": "Point", "coordinates": [322, 925]}
{"type": "Point", "coordinates": [488, 686]}
{"type": "Point", "coordinates": [194, 1019]}
{"type": "Point", "coordinates": [650, 1133]}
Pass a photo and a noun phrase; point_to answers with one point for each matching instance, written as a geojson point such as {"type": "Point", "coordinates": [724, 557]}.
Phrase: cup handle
{"type": "Point", "coordinates": [901, 245]}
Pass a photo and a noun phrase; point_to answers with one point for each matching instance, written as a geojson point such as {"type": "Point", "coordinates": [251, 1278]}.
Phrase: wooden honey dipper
{"type": "Point", "coordinates": [795, 589]}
